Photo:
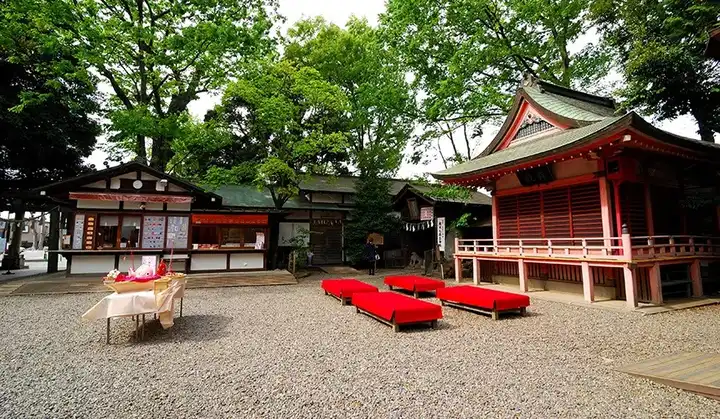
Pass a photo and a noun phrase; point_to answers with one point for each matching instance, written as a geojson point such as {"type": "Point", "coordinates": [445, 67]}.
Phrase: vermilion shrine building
{"type": "Point", "coordinates": [589, 199]}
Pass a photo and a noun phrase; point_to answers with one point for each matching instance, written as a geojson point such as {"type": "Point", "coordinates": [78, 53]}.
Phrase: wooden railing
{"type": "Point", "coordinates": [669, 246]}
{"type": "Point", "coordinates": [614, 248]}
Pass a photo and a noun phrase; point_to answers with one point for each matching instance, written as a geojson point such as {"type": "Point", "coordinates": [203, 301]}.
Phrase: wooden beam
{"type": "Point", "coordinates": [588, 283]}
{"type": "Point", "coordinates": [522, 275]}
{"type": "Point", "coordinates": [656, 296]}
{"type": "Point", "coordinates": [649, 210]}
{"type": "Point", "coordinates": [630, 287]}
{"type": "Point", "coordinates": [696, 278]}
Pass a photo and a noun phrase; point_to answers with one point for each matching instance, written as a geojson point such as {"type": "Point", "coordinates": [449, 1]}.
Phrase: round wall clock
{"type": "Point", "coordinates": [137, 184]}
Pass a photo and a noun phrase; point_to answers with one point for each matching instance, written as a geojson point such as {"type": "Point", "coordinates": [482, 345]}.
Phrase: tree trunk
{"type": "Point", "coordinates": [54, 241]}
{"type": "Point", "coordinates": [706, 134]}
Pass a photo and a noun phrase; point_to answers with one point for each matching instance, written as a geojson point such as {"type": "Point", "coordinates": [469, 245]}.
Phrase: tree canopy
{"type": "Point", "coordinates": [660, 47]}
{"type": "Point", "coordinates": [158, 56]}
{"type": "Point", "coordinates": [47, 98]}
{"type": "Point", "coordinates": [468, 57]}
{"type": "Point", "coordinates": [381, 108]}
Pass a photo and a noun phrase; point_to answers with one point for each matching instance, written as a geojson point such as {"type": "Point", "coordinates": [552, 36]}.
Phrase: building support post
{"type": "Point", "coordinates": [495, 229]}
{"type": "Point", "coordinates": [696, 278]}
{"type": "Point", "coordinates": [649, 211]}
{"type": "Point", "coordinates": [588, 283]}
{"type": "Point", "coordinates": [476, 271]}
{"type": "Point", "coordinates": [606, 212]}
{"type": "Point", "coordinates": [54, 241]}
{"type": "Point", "coordinates": [656, 296]}
{"type": "Point", "coordinates": [458, 269]}
{"type": "Point", "coordinates": [630, 287]}
{"type": "Point", "coordinates": [522, 275]}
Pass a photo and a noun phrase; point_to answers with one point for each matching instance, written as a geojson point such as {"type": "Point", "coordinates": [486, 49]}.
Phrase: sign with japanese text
{"type": "Point", "coordinates": [441, 233]}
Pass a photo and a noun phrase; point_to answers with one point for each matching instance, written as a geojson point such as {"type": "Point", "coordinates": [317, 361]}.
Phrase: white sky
{"type": "Point", "coordinates": [338, 12]}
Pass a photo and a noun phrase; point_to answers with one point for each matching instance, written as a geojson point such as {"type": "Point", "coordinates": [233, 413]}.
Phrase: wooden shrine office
{"type": "Point", "coordinates": [124, 215]}
{"type": "Point", "coordinates": [592, 200]}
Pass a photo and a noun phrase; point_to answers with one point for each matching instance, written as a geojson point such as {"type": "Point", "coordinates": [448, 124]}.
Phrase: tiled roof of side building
{"type": "Point", "coordinates": [341, 184]}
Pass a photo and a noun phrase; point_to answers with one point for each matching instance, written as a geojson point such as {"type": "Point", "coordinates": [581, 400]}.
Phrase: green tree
{"type": "Point", "coordinates": [47, 98]}
{"type": "Point", "coordinates": [158, 56]}
{"type": "Point", "coordinates": [659, 45]}
{"type": "Point", "coordinates": [285, 111]}
{"type": "Point", "coordinates": [381, 104]}
{"type": "Point", "coordinates": [371, 214]}
{"type": "Point", "coordinates": [469, 55]}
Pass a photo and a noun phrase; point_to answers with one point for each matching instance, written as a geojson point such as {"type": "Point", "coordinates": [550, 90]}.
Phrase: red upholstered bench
{"type": "Point", "coordinates": [413, 283]}
{"type": "Point", "coordinates": [483, 300]}
{"type": "Point", "coordinates": [343, 289]}
{"type": "Point", "coordinates": [396, 309]}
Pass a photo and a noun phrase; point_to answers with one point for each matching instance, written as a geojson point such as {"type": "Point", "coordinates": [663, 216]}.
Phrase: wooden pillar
{"type": "Point", "coordinates": [522, 275]}
{"type": "Point", "coordinates": [696, 278]}
{"type": "Point", "coordinates": [626, 243]}
{"type": "Point", "coordinates": [656, 296]}
{"type": "Point", "coordinates": [476, 271]}
{"type": "Point", "coordinates": [53, 241]}
{"type": "Point", "coordinates": [495, 227]}
{"type": "Point", "coordinates": [588, 284]}
{"type": "Point", "coordinates": [618, 209]}
{"type": "Point", "coordinates": [649, 210]}
{"type": "Point", "coordinates": [606, 211]}
{"type": "Point", "coordinates": [458, 269]}
{"type": "Point", "coordinates": [630, 287]}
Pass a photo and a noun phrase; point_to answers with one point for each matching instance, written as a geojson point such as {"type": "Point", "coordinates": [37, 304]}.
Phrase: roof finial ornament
{"type": "Point", "coordinates": [529, 80]}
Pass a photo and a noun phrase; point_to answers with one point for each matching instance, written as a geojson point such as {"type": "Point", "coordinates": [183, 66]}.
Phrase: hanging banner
{"type": "Point", "coordinates": [100, 196]}
{"type": "Point", "coordinates": [426, 213]}
{"type": "Point", "coordinates": [249, 219]}
{"type": "Point", "coordinates": [441, 233]}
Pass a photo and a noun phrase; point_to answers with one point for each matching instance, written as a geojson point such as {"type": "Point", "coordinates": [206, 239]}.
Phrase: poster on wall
{"type": "Point", "coordinates": [177, 232]}
{"type": "Point", "coordinates": [426, 213]}
{"type": "Point", "coordinates": [441, 233]}
{"type": "Point", "coordinates": [78, 231]}
{"type": "Point", "coordinates": [259, 240]}
{"type": "Point", "coordinates": [153, 236]}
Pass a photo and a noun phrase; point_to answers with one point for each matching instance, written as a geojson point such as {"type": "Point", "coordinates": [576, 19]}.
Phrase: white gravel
{"type": "Point", "coordinates": [291, 351]}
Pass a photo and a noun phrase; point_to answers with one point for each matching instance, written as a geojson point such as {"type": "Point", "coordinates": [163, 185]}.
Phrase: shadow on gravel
{"type": "Point", "coordinates": [191, 328]}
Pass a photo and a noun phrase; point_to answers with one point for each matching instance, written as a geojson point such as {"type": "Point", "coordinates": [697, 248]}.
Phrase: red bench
{"type": "Point", "coordinates": [413, 283]}
{"type": "Point", "coordinates": [343, 289]}
{"type": "Point", "coordinates": [483, 300]}
{"type": "Point", "coordinates": [396, 309]}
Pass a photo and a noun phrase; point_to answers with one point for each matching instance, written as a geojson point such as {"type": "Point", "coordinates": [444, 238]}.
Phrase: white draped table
{"type": "Point", "coordinates": [138, 304]}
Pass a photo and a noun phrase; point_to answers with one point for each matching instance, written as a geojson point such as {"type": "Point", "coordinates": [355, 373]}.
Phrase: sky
{"type": "Point", "coordinates": [338, 12]}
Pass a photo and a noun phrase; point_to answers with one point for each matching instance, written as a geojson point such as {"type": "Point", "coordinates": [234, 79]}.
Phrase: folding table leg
{"type": "Point", "coordinates": [137, 328]}
{"type": "Point", "coordinates": [107, 332]}
{"type": "Point", "coordinates": [142, 333]}
{"type": "Point", "coordinates": [181, 301]}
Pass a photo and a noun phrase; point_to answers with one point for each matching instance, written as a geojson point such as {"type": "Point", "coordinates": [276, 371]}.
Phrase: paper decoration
{"type": "Point", "coordinates": [426, 213]}
{"type": "Point", "coordinates": [423, 225]}
{"type": "Point", "coordinates": [259, 240]}
{"type": "Point", "coordinates": [78, 231]}
{"type": "Point", "coordinates": [441, 233]}
{"type": "Point", "coordinates": [89, 232]}
{"type": "Point", "coordinates": [153, 236]}
{"type": "Point", "coordinates": [177, 232]}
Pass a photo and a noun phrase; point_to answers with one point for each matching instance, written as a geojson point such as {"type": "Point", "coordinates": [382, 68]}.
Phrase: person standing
{"type": "Point", "coordinates": [370, 256]}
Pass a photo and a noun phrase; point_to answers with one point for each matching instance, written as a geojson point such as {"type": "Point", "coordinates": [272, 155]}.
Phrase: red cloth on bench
{"type": "Point", "coordinates": [414, 283]}
{"type": "Point", "coordinates": [483, 298]}
{"type": "Point", "coordinates": [404, 309]}
{"type": "Point", "coordinates": [345, 288]}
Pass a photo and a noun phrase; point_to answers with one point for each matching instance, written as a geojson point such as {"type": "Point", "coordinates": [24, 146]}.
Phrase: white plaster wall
{"type": "Point", "coordinates": [147, 176]}
{"type": "Point", "coordinates": [92, 203]}
{"type": "Point", "coordinates": [174, 188]}
{"type": "Point", "coordinates": [210, 262]}
{"type": "Point", "coordinates": [85, 264]}
{"type": "Point", "coordinates": [575, 167]}
{"type": "Point", "coordinates": [100, 184]}
{"type": "Point", "coordinates": [171, 206]}
{"type": "Point", "coordinates": [247, 261]}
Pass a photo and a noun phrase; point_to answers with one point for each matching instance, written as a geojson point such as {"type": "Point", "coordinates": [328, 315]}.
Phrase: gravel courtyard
{"type": "Point", "coordinates": [290, 351]}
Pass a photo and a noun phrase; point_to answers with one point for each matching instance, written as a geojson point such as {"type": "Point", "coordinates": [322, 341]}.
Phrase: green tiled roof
{"type": "Point", "coordinates": [341, 184]}
{"type": "Point", "coordinates": [476, 198]}
{"type": "Point", "coordinates": [527, 151]}
{"type": "Point", "coordinates": [568, 107]}
{"type": "Point", "coordinates": [249, 196]}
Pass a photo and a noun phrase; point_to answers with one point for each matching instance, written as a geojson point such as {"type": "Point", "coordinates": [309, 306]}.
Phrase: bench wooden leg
{"type": "Point", "coordinates": [396, 328]}
{"type": "Point", "coordinates": [390, 287]}
{"type": "Point", "coordinates": [181, 301]}
{"type": "Point", "coordinates": [495, 315]}
{"type": "Point", "coordinates": [433, 324]}
{"type": "Point", "coordinates": [325, 292]}
{"type": "Point", "coordinates": [107, 332]}
{"type": "Point", "coordinates": [523, 310]}
{"type": "Point", "coordinates": [442, 303]}
{"type": "Point", "coordinates": [357, 310]}
{"type": "Point", "coordinates": [416, 294]}
{"type": "Point", "coordinates": [342, 301]}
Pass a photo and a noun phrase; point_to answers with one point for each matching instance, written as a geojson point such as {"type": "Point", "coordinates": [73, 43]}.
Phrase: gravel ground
{"type": "Point", "coordinates": [290, 351]}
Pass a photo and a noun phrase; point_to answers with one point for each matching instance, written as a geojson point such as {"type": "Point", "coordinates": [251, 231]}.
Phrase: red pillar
{"type": "Point", "coordinates": [696, 278]}
{"type": "Point", "coordinates": [495, 220]}
{"type": "Point", "coordinates": [649, 211]}
{"type": "Point", "coordinates": [606, 211]}
{"type": "Point", "coordinates": [655, 285]}
{"type": "Point", "coordinates": [618, 212]}
{"type": "Point", "coordinates": [588, 284]}
{"type": "Point", "coordinates": [522, 274]}
{"type": "Point", "coordinates": [630, 287]}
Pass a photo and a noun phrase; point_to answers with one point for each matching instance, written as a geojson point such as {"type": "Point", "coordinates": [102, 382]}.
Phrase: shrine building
{"type": "Point", "coordinates": [591, 200]}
